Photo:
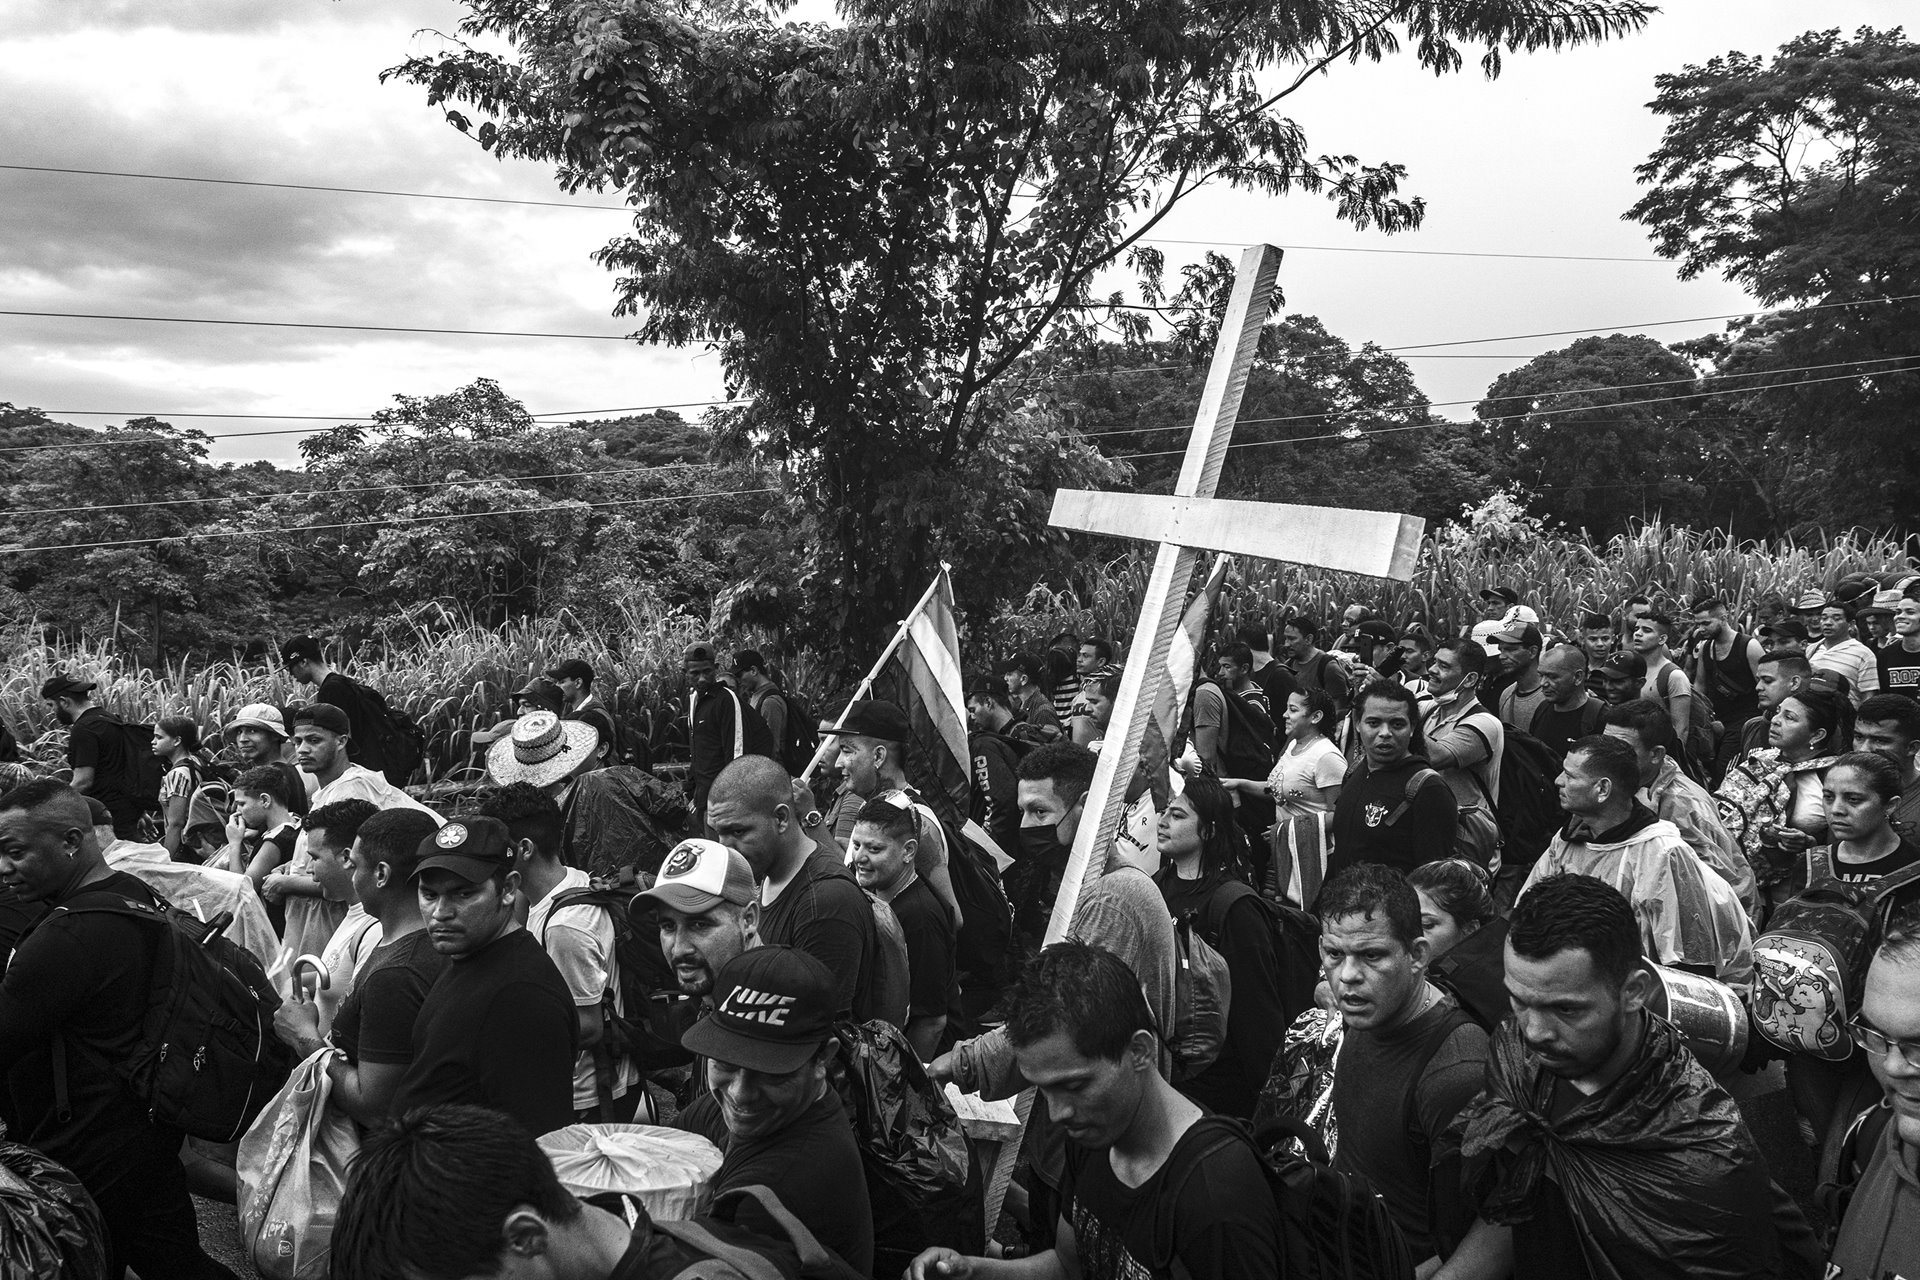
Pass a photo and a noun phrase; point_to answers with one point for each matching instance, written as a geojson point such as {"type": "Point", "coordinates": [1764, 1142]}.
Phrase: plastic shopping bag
{"type": "Point", "coordinates": [293, 1169]}
{"type": "Point", "coordinates": [48, 1223]}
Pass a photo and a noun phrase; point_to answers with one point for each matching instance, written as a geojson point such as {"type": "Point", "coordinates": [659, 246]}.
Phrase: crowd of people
{"type": "Point", "coordinates": [1505, 928]}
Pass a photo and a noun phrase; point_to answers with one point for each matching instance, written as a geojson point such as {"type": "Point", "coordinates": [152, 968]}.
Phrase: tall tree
{"type": "Point", "coordinates": [876, 220]}
{"type": "Point", "coordinates": [1795, 177]}
{"type": "Point", "coordinates": [1599, 431]}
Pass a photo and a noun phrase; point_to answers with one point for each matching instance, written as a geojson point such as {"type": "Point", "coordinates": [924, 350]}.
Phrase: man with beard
{"type": "Point", "coordinates": [103, 765]}
{"type": "Point", "coordinates": [1600, 1143]}
{"type": "Point", "coordinates": [708, 912]}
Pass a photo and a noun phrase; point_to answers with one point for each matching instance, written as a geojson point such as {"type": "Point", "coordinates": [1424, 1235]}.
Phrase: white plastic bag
{"type": "Point", "coordinates": [292, 1167]}
{"type": "Point", "coordinates": [669, 1171]}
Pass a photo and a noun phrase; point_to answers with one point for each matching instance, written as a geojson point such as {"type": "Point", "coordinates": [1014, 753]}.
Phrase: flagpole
{"type": "Point", "coordinates": [866, 685]}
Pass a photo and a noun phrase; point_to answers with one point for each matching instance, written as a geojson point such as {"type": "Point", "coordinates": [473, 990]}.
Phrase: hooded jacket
{"type": "Point", "coordinates": [1880, 1234]}
{"type": "Point", "coordinates": [1688, 915]}
{"type": "Point", "coordinates": [1690, 807]}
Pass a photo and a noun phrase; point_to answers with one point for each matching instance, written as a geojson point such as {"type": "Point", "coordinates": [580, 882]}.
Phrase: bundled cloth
{"type": "Point", "coordinates": [619, 819]}
{"type": "Point", "coordinates": [1657, 1170]}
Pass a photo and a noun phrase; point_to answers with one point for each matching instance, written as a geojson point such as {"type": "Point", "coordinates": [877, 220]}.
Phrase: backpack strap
{"type": "Point", "coordinates": [1415, 785]}
{"type": "Point", "coordinates": [1819, 863]}
{"type": "Point", "coordinates": [814, 1256]}
{"type": "Point", "coordinates": [1892, 881]}
{"type": "Point", "coordinates": [737, 1260]}
{"type": "Point", "coordinates": [1213, 912]}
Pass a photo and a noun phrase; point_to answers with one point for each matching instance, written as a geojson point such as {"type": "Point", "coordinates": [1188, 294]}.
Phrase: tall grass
{"type": "Point", "coordinates": [455, 675]}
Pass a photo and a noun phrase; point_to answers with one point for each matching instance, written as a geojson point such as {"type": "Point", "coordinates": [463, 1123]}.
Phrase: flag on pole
{"type": "Point", "coordinates": [1170, 699]}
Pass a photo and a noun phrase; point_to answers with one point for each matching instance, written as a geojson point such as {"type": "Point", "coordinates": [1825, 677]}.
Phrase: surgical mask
{"type": "Point", "coordinates": [1038, 844]}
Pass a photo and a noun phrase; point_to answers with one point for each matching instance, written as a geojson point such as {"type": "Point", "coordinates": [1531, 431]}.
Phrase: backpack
{"type": "Point", "coordinates": [145, 770]}
{"type": "Point", "coordinates": [632, 1033]}
{"type": "Point", "coordinates": [208, 1060]}
{"type": "Point", "coordinates": [391, 741]}
{"type": "Point", "coordinates": [1696, 735]}
{"type": "Point", "coordinates": [1529, 812]}
{"type": "Point", "coordinates": [983, 951]}
{"type": "Point", "coordinates": [716, 1248]}
{"type": "Point", "coordinates": [1202, 992]}
{"type": "Point", "coordinates": [889, 992]}
{"type": "Point", "coordinates": [922, 1178]}
{"type": "Point", "coordinates": [1810, 964]}
{"type": "Point", "coordinates": [1850, 1143]}
{"type": "Point", "coordinates": [1464, 846]}
{"type": "Point", "coordinates": [1474, 973]}
{"type": "Point", "coordinates": [1248, 751]}
{"type": "Point", "coordinates": [1333, 1225]}
{"type": "Point", "coordinates": [801, 736]}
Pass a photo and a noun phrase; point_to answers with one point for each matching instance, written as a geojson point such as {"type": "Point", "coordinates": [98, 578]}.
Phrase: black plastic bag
{"type": "Point", "coordinates": [49, 1225]}
{"type": "Point", "coordinates": [921, 1176]}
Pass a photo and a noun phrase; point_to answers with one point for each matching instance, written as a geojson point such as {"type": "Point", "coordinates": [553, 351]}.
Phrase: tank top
{"type": "Point", "coordinates": [1733, 676]}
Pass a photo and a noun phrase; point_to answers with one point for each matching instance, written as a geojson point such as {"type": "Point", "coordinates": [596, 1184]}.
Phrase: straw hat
{"type": "Point", "coordinates": [542, 749]}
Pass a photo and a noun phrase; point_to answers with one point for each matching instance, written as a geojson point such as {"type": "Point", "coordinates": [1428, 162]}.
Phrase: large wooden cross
{"type": "Point", "coordinates": [1374, 543]}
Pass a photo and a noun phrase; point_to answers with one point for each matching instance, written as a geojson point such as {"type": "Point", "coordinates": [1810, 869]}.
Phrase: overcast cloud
{"type": "Point", "coordinates": [1537, 162]}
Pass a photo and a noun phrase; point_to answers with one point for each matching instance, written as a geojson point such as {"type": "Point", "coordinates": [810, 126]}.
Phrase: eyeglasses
{"type": "Point", "coordinates": [1877, 1042]}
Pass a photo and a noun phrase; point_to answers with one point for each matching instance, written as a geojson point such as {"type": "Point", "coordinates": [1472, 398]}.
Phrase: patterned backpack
{"type": "Point", "coordinates": [1809, 965]}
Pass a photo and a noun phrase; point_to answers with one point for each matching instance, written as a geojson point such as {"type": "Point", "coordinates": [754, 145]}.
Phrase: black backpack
{"type": "Point", "coordinates": [635, 1033]}
{"type": "Point", "coordinates": [1529, 813]}
{"type": "Point", "coordinates": [801, 737]}
{"type": "Point", "coordinates": [1333, 1225]}
{"type": "Point", "coordinates": [1474, 973]}
{"type": "Point", "coordinates": [391, 741]}
{"type": "Point", "coordinates": [716, 1248]}
{"type": "Point", "coordinates": [1296, 942]}
{"type": "Point", "coordinates": [145, 770]}
{"type": "Point", "coordinates": [208, 1060]}
{"type": "Point", "coordinates": [1251, 739]}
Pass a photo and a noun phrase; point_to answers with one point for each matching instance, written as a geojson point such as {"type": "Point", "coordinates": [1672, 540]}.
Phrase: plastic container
{"type": "Point", "coordinates": [669, 1171]}
{"type": "Point", "coordinates": [1710, 1016]}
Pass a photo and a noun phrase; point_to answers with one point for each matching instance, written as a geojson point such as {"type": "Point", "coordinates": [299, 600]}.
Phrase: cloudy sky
{"type": "Point", "coordinates": [1538, 162]}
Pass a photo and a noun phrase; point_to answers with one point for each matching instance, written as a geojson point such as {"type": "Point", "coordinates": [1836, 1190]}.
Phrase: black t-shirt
{"type": "Point", "coordinates": [95, 741]}
{"type": "Point", "coordinates": [1361, 833]}
{"type": "Point", "coordinates": [497, 1030]}
{"type": "Point", "coordinates": [812, 1165]}
{"type": "Point", "coordinates": [1561, 729]}
{"type": "Point", "coordinates": [1901, 902]}
{"type": "Point", "coordinates": [929, 933]}
{"type": "Point", "coordinates": [86, 975]}
{"type": "Point", "coordinates": [824, 912]}
{"type": "Point", "coordinates": [1215, 1215]}
{"type": "Point", "coordinates": [375, 1022]}
{"type": "Point", "coordinates": [1394, 1094]}
{"type": "Point", "coordinates": [1899, 670]}
{"type": "Point", "coordinates": [1256, 1020]}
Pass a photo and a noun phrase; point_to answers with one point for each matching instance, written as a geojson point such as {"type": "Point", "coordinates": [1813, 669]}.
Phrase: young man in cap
{"type": "Point", "coordinates": [870, 750]}
{"type": "Point", "coordinates": [85, 977]}
{"type": "Point", "coordinates": [580, 940]}
{"type": "Point", "coordinates": [322, 744]}
{"type": "Point", "coordinates": [1622, 675]}
{"type": "Point", "coordinates": [1151, 1185]}
{"type": "Point", "coordinates": [1519, 647]}
{"type": "Point", "coordinates": [1875, 619]}
{"type": "Point", "coordinates": [763, 694]}
{"type": "Point", "coordinates": [373, 1027]}
{"type": "Point", "coordinates": [1786, 633]}
{"type": "Point", "coordinates": [574, 679]}
{"type": "Point", "coordinates": [98, 753]}
{"type": "Point", "coordinates": [1837, 651]}
{"type": "Point", "coordinates": [721, 727]}
{"type": "Point", "coordinates": [305, 662]}
{"type": "Point", "coordinates": [1034, 718]}
{"type": "Point", "coordinates": [499, 1028]}
{"type": "Point", "coordinates": [808, 898]}
{"type": "Point", "coordinates": [708, 909]}
{"type": "Point", "coordinates": [768, 1043]}
{"type": "Point", "coordinates": [1898, 661]}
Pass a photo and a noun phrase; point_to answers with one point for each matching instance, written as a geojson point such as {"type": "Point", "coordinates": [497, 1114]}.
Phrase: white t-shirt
{"type": "Point", "coordinates": [352, 942]}
{"type": "Point", "coordinates": [1302, 768]}
{"type": "Point", "coordinates": [580, 942]}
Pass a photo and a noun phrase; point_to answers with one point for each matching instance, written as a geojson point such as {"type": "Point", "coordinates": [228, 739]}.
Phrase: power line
{"type": "Point", "coordinates": [618, 208]}
{"type": "Point", "coordinates": [1655, 324]}
{"type": "Point", "coordinates": [366, 488]}
{"type": "Point", "coordinates": [1422, 426]}
{"type": "Point", "coordinates": [387, 522]}
{"type": "Point", "coordinates": [306, 324]}
{"type": "Point", "coordinates": [354, 419]}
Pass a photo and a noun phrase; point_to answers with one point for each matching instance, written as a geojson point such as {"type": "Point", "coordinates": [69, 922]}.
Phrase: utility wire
{"type": "Point", "coordinates": [354, 419]}
{"type": "Point", "coordinates": [617, 208]}
{"type": "Point", "coordinates": [387, 522]}
{"type": "Point", "coordinates": [307, 324]}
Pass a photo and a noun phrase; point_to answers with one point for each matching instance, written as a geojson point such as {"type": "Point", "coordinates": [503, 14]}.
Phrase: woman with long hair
{"type": "Point", "coordinates": [1304, 784]}
{"type": "Point", "coordinates": [1203, 878]}
{"type": "Point", "coordinates": [176, 740]}
{"type": "Point", "coordinates": [1771, 799]}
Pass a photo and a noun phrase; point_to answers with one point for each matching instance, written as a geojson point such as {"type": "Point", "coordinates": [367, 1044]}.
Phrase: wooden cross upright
{"type": "Point", "coordinates": [1374, 543]}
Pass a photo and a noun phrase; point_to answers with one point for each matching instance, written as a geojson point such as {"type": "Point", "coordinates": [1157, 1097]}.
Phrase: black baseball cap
{"type": "Point", "coordinates": [472, 848]}
{"type": "Point", "coordinates": [65, 686]}
{"type": "Point", "coordinates": [1501, 593]}
{"type": "Point", "coordinates": [773, 1008]}
{"type": "Point", "coordinates": [872, 718]}
{"type": "Point", "coordinates": [571, 669]}
{"type": "Point", "coordinates": [1786, 629]}
{"type": "Point", "coordinates": [1624, 664]}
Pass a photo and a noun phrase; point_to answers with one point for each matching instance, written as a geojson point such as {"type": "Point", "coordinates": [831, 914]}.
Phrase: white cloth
{"type": "Point", "coordinates": [203, 892]}
{"type": "Point", "coordinates": [580, 942]}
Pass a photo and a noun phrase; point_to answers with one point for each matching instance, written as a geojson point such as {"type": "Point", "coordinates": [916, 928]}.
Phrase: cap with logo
{"type": "Point", "coordinates": [871, 718]}
{"type": "Point", "coordinates": [699, 875]}
{"type": "Point", "coordinates": [773, 1008]}
{"type": "Point", "coordinates": [472, 848]}
{"type": "Point", "coordinates": [1526, 635]}
{"type": "Point", "coordinates": [1624, 665]}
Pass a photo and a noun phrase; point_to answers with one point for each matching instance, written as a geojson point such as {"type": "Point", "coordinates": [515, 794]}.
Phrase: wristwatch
{"type": "Point", "coordinates": [813, 819]}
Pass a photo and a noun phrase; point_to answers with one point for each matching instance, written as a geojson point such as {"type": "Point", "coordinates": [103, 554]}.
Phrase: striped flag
{"type": "Point", "coordinates": [1170, 700]}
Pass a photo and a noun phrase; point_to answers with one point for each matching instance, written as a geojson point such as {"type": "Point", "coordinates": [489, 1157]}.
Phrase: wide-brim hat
{"type": "Point", "coordinates": [257, 715]}
{"type": "Point", "coordinates": [541, 749]}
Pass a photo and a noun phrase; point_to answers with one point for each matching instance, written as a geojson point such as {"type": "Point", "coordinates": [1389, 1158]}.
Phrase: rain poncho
{"type": "Point", "coordinates": [1688, 915]}
{"type": "Point", "coordinates": [1656, 1169]}
{"type": "Point", "coordinates": [1690, 807]}
{"type": "Point", "coordinates": [620, 818]}
{"type": "Point", "coordinates": [201, 892]}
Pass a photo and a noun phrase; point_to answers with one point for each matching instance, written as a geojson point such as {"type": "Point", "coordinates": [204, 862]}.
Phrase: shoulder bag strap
{"type": "Point", "coordinates": [1894, 880]}
{"type": "Point", "coordinates": [1415, 785]}
{"type": "Point", "coordinates": [1819, 862]}
{"type": "Point", "coordinates": [812, 1253]}
{"type": "Point", "coordinates": [695, 1235]}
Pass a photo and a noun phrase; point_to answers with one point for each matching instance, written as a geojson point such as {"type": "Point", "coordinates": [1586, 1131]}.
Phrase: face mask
{"type": "Point", "coordinates": [1037, 844]}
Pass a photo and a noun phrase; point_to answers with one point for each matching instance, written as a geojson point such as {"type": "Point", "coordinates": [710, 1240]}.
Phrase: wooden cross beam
{"type": "Point", "coordinates": [1377, 544]}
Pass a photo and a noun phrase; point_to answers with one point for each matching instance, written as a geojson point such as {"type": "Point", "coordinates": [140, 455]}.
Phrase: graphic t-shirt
{"type": "Point", "coordinates": [1899, 670]}
{"type": "Point", "coordinates": [1901, 902]}
{"type": "Point", "coordinates": [1303, 769]}
{"type": "Point", "coordinates": [1213, 1216]}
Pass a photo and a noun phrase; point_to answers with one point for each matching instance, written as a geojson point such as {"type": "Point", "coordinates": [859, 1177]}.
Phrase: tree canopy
{"type": "Point", "coordinates": [878, 220]}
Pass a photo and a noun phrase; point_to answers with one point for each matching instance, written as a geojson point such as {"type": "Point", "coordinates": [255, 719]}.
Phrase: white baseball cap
{"type": "Point", "coordinates": [699, 875]}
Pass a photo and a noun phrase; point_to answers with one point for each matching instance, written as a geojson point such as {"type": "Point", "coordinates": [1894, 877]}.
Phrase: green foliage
{"type": "Point", "coordinates": [876, 220]}
{"type": "Point", "coordinates": [1795, 177]}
